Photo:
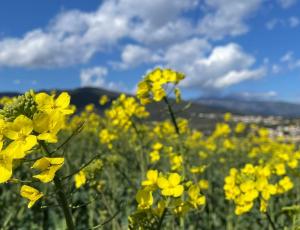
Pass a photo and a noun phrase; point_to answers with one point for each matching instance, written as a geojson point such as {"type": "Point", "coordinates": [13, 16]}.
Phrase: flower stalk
{"type": "Point", "coordinates": [61, 196]}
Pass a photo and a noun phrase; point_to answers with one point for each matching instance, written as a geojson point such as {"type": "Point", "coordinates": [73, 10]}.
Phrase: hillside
{"type": "Point", "coordinates": [253, 107]}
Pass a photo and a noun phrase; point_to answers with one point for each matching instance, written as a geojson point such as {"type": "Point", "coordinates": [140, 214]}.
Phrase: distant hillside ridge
{"type": "Point", "coordinates": [86, 95]}
{"type": "Point", "coordinates": [253, 107]}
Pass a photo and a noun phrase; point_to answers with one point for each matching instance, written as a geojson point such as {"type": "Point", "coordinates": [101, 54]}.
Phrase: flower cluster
{"type": "Point", "coordinates": [124, 110]}
{"type": "Point", "coordinates": [153, 85]}
{"type": "Point", "coordinates": [30, 121]}
{"type": "Point", "coordinates": [251, 183]}
{"type": "Point", "coordinates": [173, 195]}
{"type": "Point", "coordinates": [88, 117]}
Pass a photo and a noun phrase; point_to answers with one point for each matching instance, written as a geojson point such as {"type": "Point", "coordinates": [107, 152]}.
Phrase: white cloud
{"type": "Point", "coordinates": [186, 52]}
{"type": "Point", "coordinates": [273, 23]}
{"type": "Point", "coordinates": [287, 57]}
{"type": "Point", "coordinates": [156, 32]}
{"type": "Point", "coordinates": [287, 62]}
{"type": "Point", "coordinates": [93, 76]}
{"type": "Point", "coordinates": [227, 17]}
{"type": "Point", "coordinates": [222, 67]}
{"type": "Point", "coordinates": [291, 22]}
{"type": "Point", "coordinates": [74, 36]}
{"type": "Point", "coordinates": [206, 67]}
{"type": "Point", "coordinates": [96, 77]}
{"type": "Point", "coordinates": [269, 95]}
{"type": "Point", "coordinates": [290, 61]}
{"type": "Point", "coordinates": [275, 69]}
{"type": "Point", "coordinates": [287, 3]}
{"type": "Point", "coordinates": [294, 22]}
{"type": "Point", "coordinates": [134, 55]}
{"type": "Point", "coordinates": [233, 77]}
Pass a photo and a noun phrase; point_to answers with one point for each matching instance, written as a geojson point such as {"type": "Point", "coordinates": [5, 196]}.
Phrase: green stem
{"type": "Point", "coordinates": [271, 221]}
{"type": "Point", "coordinates": [61, 196]}
{"type": "Point", "coordinates": [63, 201]}
{"type": "Point", "coordinates": [172, 114]}
{"type": "Point", "coordinates": [142, 154]}
{"type": "Point", "coordinates": [161, 219]}
{"type": "Point", "coordinates": [173, 119]}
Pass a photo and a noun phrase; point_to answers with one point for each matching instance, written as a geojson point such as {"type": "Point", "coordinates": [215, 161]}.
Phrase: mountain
{"type": "Point", "coordinates": [189, 109]}
{"type": "Point", "coordinates": [253, 107]}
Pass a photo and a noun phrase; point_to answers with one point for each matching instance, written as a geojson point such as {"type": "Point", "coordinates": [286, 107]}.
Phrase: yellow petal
{"type": "Point", "coordinates": [29, 142]}
{"type": "Point", "coordinates": [15, 150]}
{"type": "Point", "coordinates": [44, 101]}
{"type": "Point", "coordinates": [162, 183]}
{"type": "Point", "coordinates": [11, 134]}
{"type": "Point", "coordinates": [174, 179]}
{"type": "Point", "coordinates": [5, 167]}
{"type": "Point", "coordinates": [63, 100]}
{"type": "Point", "coordinates": [41, 164]}
{"type": "Point", "coordinates": [30, 193]}
{"type": "Point", "coordinates": [80, 179]}
{"type": "Point", "coordinates": [48, 137]}
{"type": "Point", "coordinates": [178, 190]}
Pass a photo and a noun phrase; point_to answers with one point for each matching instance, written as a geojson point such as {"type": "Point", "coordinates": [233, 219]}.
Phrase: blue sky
{"type": "Point", "coordinates": [225, 47]}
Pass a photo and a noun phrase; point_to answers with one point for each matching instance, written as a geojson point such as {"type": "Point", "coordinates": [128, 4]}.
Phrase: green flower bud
{"type": "Point", "coordinates": [21, 105]}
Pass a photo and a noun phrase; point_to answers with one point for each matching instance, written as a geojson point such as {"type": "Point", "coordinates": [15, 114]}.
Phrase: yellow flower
{"type": "Point", "coordinates": [221, 130]}
{"type": "Point", "coordinates": [48, 125]}
{"type": "Point", "coordinates": [280, 169]}
{"type": "Point", "coordinates": [158, 94]}
{"type": "Point", "coordinates": [152, 86]}
{"type": "Point", "coordinates": [241, 209]}
{"type": "Point", "coordinates": [203, 184]}
{"type": "Point", "coordinates": [152, 176]}
{"type": "Point", "coordinates": [176, 162]}
{"type": "Point", "coordinates": [48, 104]}
{"type": "Point", "coordinates": [154, 156]}
{"type": "Point", "coordinates": [5, 165]}
{"type": "Point", "coordinates": [2, 127]}
{"type": "Point", "coordinates": [198, 169]}
{"type": "Point", "coordinates": [196, 199]}
{"type": "Point", "coordinates": [48, 166]}
{"type": "Point", "coordinates": [240, 127]}
{"type": "Point", "coordinates": [20, 132]}
{"type": "Point", "coordinates": [284, 185]}
{"type": "Point", "coordinates": [157, 146]}
{"type": "Point", "coordinates": [170, 186]}
{"type": "Point", "coordinates": [263, 205]}
{"type": "Point", "coordinates": [80, 179]}
{"type": "Point", "coordinates": [30, 193]}
{"type": "Point", "coordinates": [89, 108]}
{"type": "Point", "coordinates": [267, 191]}
{"type": "Point", "coordinates": [248, 169]}
{"type": "Point", "coordinates": [172, 76]}
{"type": "Point", "coordinates": [227, 117]}
{"type": "Point", "coordinates": [144, 199]}
{"type": "Point", "coordinates": [106, 137]}
{"type": "Point", "coordinates": [103, 100]}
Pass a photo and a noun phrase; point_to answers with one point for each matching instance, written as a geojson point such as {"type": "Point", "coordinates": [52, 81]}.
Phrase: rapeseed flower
{"type": "Point", "coordinates": [48, 166]}
{"type": "Point", "coordinates": [19, 131]}
{"type": "Point", "coordinates": [144, 199]}
{"type": "Point", "coordinates": [80, 179]}
{"type": "Point", "coordinates": [170, 186]}
{"type": "Point", "coordinates": [30, 193]}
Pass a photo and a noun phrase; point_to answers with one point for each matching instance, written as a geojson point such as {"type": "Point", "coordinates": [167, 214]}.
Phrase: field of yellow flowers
{"type": "Point", "coordinates": [62, 169]}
